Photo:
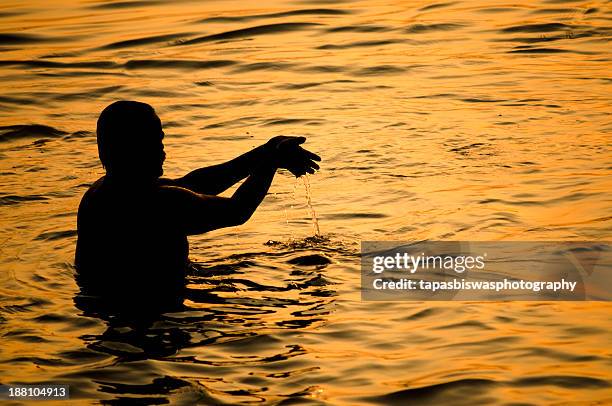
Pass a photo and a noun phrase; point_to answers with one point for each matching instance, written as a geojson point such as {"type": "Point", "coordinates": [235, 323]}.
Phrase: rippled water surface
{"type": "Point", "coordinates": [460, 120]}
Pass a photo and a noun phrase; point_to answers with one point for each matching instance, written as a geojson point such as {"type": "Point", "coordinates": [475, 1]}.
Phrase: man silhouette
{"type": "Point", "coordinates": [133, 224]}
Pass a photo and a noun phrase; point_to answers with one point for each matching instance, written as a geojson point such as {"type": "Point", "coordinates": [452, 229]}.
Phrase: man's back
{"type": "Point", "coordinates": [126, 239]}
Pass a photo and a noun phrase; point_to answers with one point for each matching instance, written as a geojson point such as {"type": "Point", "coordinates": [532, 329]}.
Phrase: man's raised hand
{"type": "Point", "coordinates": [288, 154]}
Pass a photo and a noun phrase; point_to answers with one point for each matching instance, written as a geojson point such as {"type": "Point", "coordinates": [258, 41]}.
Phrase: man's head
{"type": "Point", "coordinates": [130, 140]}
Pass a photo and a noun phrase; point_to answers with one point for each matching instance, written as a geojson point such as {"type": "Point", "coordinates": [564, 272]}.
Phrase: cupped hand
{"type": "Point", "coordinates": [289, 155]}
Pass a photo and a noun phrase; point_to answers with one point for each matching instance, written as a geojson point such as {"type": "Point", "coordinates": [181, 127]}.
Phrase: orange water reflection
{"type": "Point", "coordinates": [482, 120]}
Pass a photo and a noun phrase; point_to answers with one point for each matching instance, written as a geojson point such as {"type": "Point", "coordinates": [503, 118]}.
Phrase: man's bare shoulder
{"type": "Point", "coordinates": [96, 185]}
{"type": "Point", "coordinates": [92, 191]}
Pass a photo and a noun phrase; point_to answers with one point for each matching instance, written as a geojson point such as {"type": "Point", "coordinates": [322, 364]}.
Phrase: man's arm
{"type": "Point", "coordinates": [282, 151]}
{"type": "Point", "coordinates": [215, 179]}
{"type": "Point", "coordinates": [197, 213]}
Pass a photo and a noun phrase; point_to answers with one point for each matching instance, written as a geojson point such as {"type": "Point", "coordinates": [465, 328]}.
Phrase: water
{"type": "Point", "coordinates": [484, 120]}
{"type": "Point", "coordinates": [313, 213]}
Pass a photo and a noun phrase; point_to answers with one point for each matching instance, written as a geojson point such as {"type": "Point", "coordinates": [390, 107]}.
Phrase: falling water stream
{"type": "Point", "coordinates": [313, 214]}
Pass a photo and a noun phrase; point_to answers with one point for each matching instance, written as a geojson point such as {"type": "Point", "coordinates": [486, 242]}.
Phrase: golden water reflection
{"type": "Point", "coordinates": [467, 120]}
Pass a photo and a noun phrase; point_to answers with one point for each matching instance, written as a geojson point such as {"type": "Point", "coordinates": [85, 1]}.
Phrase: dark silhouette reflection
{"type": "Point", "coordinates": [134, 334]}
{"type": "Point", "coordinates": [132, 249]}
